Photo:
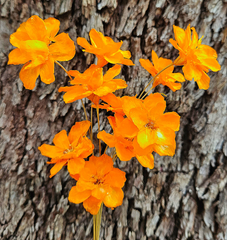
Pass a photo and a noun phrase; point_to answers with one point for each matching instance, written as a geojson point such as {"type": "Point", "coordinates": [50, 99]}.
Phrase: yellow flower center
{"type": "Point", "coordinates": [70, 149]}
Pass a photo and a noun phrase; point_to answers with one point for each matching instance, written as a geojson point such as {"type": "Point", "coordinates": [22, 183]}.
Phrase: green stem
{"type": "Point", "coordinates": [140, 96]}
{"type": "Point", "coordinates": [85, 113]}
{"type": "Point", "coordinates": [59, 64]}
{"type": "Point", "coordinates": [97, 109]}
{"type": "Point", "coordinates": [97, 224]}
{"type": "Point", "coordinates": [91, 134]}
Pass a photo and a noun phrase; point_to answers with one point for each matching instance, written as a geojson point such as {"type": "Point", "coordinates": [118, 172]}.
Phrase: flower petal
{"type": "Point", "coordinates": [127, 128]}
{"type": "Point", "coordinates": [165, 150]}
{"type": "Point", "coordinates": [115, 178]}
{"type": "Point", "coordinates": [36, 28]}
{"type": "Point", "coordinates": [190, 72]}
{"type": "Point", "coordinates": [146, 64]}
{"type": "Point", "coordinates": [19, 36]}
{"type": "Point", "coordinates": [114, 198]}
{"type": "Point", "coordinates": [107, 138]}
{"type": "Point", "coordinates": [139, 117]}
{"type": "Point", "coordinates": [47, 71]}
{"type": "Point", "coordinates": [29, 75]}
{"type": "Point", "coordinates": [179, 34]}
{"type": "Point", "coordinates": [50, 151]}
{"type": "Point", "coordinates": [74, 93]}
{"type": "Point", "coordinates": [103, 164]}
{"type": "Point", "coordinates": [63, 49]}
{"type": "Point", "coordinates": [100, 191]}
{"type": "Point", "coordinates": [204, 81]}
{"type": "Point", "coordinates": [57, 167]}
{"type": "Point", "coordinates": [111, 73]}
{"type": "Point", "coordinates": [61, 140]}
{"type": "Point", "coordinates": [211, 63]}
{"type": "Point", "coordinates": [146, 160]}
{"type": "Point", "coordinates": [78, 130]}
{"type": "Point", "coordinates": [92, 205]}
{"type": "Point", "coordinates": [78, 197]}
{"type": "Point", "coordinates": [96, 38]}
{"type": "Point", "coordinates": [164, 136]}
{"type": "Point", "coordinates": [146, 137]}
{"type": "Point", "coordinates": [52, 25]}
{"type": "Point", "coordinates": [16, 56]}
{"type": "Point", "coordinates": [170, 120]}
{"type": "Point", "coordinates": [125, 153]}
{"type": "Point", "coordinates": [153, 99]}
{"type": "Point", "coordinates": [75, 165]}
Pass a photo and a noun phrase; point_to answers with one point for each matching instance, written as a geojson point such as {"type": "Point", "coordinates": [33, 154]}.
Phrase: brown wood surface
{"type": "Point", "coordinates": [184, 197]}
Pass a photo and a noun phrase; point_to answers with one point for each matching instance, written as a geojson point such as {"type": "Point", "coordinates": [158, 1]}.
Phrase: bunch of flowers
{"type": "Point", "coordinates": [140, 124]}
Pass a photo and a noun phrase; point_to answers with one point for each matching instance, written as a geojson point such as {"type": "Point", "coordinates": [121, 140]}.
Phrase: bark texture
{"type": "Point", "coordinates": [184, 197]}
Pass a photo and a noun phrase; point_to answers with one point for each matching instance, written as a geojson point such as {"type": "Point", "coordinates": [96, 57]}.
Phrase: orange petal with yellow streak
{"type": "Point", "coordinates": [146, 160]}
{"type": "Point", "coordinates": [114, 198]}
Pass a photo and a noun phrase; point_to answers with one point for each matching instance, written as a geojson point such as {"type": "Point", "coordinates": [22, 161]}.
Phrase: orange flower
{"type": "Point", "coordinates": [38, 47]}
{"type": "Point", "coordinates": [99, 182]}
{"type": "Point", "coordinates": [124, 141]}
{"type": "Point", "coordinates": [69, 150]}
{"type": "Point", "coordinates": [196, 57]}
{"type": "Point", "coordinates": [105, 49]}
{"type": "Point", "coordinates": [92, 83]}
{"type": "Point", "coordinates": [156, 129]}
{"type": "Point", "coordinates": [114, 104]}
{"type": "Point", "coordinates": [167, 77]}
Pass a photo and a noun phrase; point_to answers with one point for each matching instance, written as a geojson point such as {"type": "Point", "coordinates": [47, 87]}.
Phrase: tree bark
{"type": "Point", "coordinates": [184, 197]}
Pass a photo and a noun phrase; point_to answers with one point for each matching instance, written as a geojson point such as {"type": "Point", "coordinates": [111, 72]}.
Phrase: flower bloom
{"type": "Point", "coordinates": [92, 83]}
{"type": "Point", "coordinates": [156, 128]}
{"type": "Point", "coordinates": [99, 182]}
{"type": "Point", "coordinates": [114, 104]}
{"type": "Point", "coordinates": [125, 142]}
{"type": "Point", "coordinates": [197, 58]}
{"type": "Point", "coordinates": [38, 47]}
{"type": "Point", "coordinates": [69, 150]}
{"type": "Point", "coordinates": [105, 49]}
{"type": "Point", "coordinates": [167, 77]}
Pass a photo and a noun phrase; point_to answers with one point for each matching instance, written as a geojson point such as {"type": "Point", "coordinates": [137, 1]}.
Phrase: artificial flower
{"type": "Point", "coordinates": [125, 142]}
{"type": "Point", "coordinates": [38, 47]}
{"type": "Point", "coordinates": [156, 128]}
{"type": "Point", "coordinates": [167, 77]}
{"type": "Point", "coordinates": [92, 83]}
{"type": "Point", "coordinates": [69, 150]}
{"type": "Point", "coordinates": [195, 57]}
{"type": "Point", "coordinates": [99, 182]}
{"type": "Point", "coordinates": [105, 49]}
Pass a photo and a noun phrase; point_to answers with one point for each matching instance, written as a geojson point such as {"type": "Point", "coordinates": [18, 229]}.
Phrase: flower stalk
{"type": "Point", "coordinates": [97, 223]}
{"type": "Point", "coordinates": [152, 80]}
